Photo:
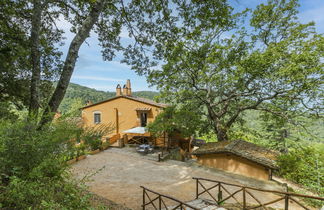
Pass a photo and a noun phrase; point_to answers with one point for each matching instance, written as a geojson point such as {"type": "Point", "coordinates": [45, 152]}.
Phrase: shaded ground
{"type": "Point", "coordinates": [117, 175]}
{"type": "Point", "coordinates": [104, 203]}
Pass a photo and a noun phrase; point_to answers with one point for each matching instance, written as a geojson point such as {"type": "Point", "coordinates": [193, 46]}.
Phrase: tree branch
{"type": "Point", "coordinates": [70, 61]}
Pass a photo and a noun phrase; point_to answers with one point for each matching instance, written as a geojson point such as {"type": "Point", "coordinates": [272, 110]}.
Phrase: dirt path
{"type": "Point", "coordinates": [119, 173]}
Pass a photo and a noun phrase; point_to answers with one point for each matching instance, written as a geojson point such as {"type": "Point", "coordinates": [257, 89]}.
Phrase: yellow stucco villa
{"type": "Point", "coordinates": [126, 113]}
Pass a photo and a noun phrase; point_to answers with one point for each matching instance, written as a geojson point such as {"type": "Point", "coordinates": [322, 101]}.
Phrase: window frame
{"type": "Point", "coordinates": [94, 117]}
{"type": "Point", "coordinates": [145, 118]}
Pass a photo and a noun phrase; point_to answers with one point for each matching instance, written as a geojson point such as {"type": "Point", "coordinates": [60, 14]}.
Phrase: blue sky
{"type": "Point", "coordinates": [93, 72]}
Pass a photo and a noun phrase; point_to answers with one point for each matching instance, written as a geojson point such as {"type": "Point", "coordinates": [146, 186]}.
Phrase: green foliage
{"type": "Point", "coordinates": [304, 165]}
{"type": "Point", "coordinates": [94, 143]}
{"type": "Point", "coordinates": [84, 94]}
{"type": "Point", "coordinates": [71, 153]}
{"type": "Point", "coordinates": [6, 111]}
{"type": "Point", "coordinates": [209, 137]}
{"type": "Point", "coordinates": [13, 53]}
{"type": "Point", "coordinates": [145, 94]}
{"type": "Point", "coordinates": [271, 62]}
{"type": "Point", "coordinates": [80, 150]}
{"type": "Point", "coordinates": [75, 151]}
{"type": "Point", "coordinates": [33, 172]}
{"type": "Point", "coordinates": [44, 194]}
{"type": "Point", "coordinates": [278, 133]}
{"type": "Point", "coordinates": [92, 136]}
{"type": "Point", "coordinates": [180, 119]}
{"type": "Point", "coordinates": [31, 43]}
{"type": "Point", "coordinates": [71, 107]}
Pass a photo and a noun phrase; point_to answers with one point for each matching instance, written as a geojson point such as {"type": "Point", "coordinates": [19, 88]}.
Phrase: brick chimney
{"type": "Point", "coordinates": [125, 90]}
{"type": "Point", "coordinates": [118, 90]}
{"type": "Point", "coordinates": [129, 89]}
{"type": "Point", "coordinates": [89, 103]}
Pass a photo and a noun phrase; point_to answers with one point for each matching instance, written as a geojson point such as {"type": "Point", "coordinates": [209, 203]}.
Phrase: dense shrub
{"type": "Point", "coordinates": [94, 143]}
{"type": "Point", "coordinates": [33, 172]}
{"type": "Point", "coordinates": [304, 165]}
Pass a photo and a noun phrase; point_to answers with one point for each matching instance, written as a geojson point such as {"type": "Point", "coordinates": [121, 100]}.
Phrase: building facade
{"type": "Point", "coordinates": [122, 112]}
{"type": "Point", "coordinates": [239, 157]}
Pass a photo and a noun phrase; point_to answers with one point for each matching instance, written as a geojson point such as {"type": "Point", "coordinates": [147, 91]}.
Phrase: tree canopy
{"type": "Point", "coordinates": [262, 59]}
{"type": "Point", "coordinates": [173, 120]}
{"type": "Point", "coordinates": [39, 38]}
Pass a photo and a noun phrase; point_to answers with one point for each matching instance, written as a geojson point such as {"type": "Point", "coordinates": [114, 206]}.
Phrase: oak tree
{"type": "Point", "coordinates": [262, 59]}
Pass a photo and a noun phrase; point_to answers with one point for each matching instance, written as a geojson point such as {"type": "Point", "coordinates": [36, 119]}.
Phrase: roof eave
{"type": "Point", "coordinates": [272, 166]}
{"type": "Point", "coordinates": [130, 98]}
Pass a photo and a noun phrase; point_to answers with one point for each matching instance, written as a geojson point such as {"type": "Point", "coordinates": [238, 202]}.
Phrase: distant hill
{"type": "Point", "coordinates": [81, 94]}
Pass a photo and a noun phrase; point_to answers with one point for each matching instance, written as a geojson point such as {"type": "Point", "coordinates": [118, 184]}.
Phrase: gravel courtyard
{"type": "Point", "coordinates": [117, 175]}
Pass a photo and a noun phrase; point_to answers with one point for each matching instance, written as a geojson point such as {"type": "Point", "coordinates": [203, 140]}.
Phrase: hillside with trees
{"type": "Point", "coordinates": [78, 95]}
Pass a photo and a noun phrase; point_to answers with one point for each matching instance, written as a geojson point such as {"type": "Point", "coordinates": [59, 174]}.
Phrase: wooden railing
{"type": "Point", "coordinates": [159, 201]}
{"type": "Point", "coordinates": [222, 188]}
{"type": "Point", "coordinates": [114, 138]}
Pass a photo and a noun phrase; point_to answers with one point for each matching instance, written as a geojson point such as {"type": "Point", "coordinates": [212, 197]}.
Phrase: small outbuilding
{"type": "Point", "coordinates": [238, 156]}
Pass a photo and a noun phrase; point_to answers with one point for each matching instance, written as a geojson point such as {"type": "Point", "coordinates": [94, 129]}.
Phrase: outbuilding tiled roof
{"type": "Point", "coordinates": [142, 100]}
{"type": "Point", "coordinates": [242, 149]}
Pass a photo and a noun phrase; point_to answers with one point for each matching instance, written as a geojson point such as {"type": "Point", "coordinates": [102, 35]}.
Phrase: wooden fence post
{"type": "Point", "coordinates": [143, 198]}
{"type": "Point", "coordinates": [219, 196]}
{"type": "Point", "coordinates": [244, 199]}
{"type": "Point", "coordinates": [197, 188]}
{"type": "Point", "coordinates": [160, 202]}
{"type": "Point", "coordinates": [286, 202]}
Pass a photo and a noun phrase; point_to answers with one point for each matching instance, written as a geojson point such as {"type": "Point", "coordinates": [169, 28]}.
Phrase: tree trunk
{"type": "Point", "coordinates": [70, 61]}
{"type": "Point", "coordinates": [219, 129]}
{"type": "Point", "coordinates": [35, 58]}
{"type": "Point", "coordinates": [222, 134]}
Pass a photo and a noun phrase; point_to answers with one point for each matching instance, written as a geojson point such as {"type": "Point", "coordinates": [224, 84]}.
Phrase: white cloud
{"type": "Point", "coordinates": [97, 78]}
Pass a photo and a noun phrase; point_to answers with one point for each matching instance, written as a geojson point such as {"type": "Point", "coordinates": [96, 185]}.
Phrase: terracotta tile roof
{"type": "Point", "coordinates": [146, 101]}
{"type": "Point", "coordinates": [142, 100]}
{"type": "Point", "coordinates": [243, 149]}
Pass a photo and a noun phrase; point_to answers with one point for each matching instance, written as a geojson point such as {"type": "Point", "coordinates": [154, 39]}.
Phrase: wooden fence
{"type": "Point", "coordinates": [222, 188]}
{"type": "Point", "coordinates": [159, 201]}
